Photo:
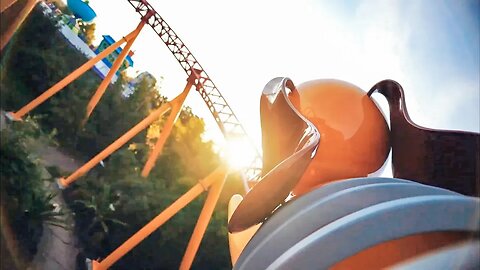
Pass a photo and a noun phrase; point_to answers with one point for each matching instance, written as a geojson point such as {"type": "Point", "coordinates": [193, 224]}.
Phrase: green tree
{"type": "Point", "coordinates": [88, 32]}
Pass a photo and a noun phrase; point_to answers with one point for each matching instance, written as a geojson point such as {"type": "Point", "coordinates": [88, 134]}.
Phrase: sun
{"type": "Point", "coordinates": [239, 153]}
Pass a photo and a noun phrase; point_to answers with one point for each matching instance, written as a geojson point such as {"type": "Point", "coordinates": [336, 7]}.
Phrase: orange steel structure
{"type": "Point", "coordinates": [5, 4]}
{"type": "Point", "coordinates": [19, 19]}
{"type": "Point", "coordinates": [176, 108]}
{"type": "Point", "coordinates": [130, 38]}
{"type": "Point", "coordinates": [202, 222]}
{"type": "Point", "coordinates": [116, 65]}
{"type": "Point", "coordinates": [175, 104]}
{"type": "Point", "coordinates": [213, 183]}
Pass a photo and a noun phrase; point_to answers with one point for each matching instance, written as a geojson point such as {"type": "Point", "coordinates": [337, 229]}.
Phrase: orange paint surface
{"type": "Point", "coordinates": [354, 136]}
{"type": "Point", "coordinates": [389, 253]}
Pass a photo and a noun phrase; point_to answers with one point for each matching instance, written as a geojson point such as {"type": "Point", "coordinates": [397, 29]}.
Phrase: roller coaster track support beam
{"type": "Point", "coordinates": [19, 19]}
{"type": "Point", "coordinates": [5, 4]}
{"type": "Point", "coordinates": [202, 223]}
{"type": "Point", "coordinates": [213, 182]}
{"type": "Point", "coordinates": [167, 128]}
{"type": "Point", "coordinates": [64, 182]}
{"type": "Point", "coordinates": [69, 78]}
{"type": "Point", "coordinates": [116, 65]}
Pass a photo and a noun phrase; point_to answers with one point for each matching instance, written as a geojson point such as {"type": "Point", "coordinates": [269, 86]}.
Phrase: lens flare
{"type": "Point", "coordinates": [239, 153]}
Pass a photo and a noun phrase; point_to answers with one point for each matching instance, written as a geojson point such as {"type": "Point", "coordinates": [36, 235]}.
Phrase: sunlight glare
{"type": "Point", "coordinates": [239, 153]}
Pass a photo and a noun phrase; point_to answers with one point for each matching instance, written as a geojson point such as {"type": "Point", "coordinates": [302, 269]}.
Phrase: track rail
{"type": "Point", "coordinates": [225, 118]}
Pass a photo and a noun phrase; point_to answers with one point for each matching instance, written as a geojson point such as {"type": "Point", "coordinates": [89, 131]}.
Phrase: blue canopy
{"type": "Point", "coordinates": [81, 10]}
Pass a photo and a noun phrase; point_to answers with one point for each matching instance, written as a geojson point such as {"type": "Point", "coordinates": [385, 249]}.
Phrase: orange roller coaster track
{"type": "Point", "coordinates": [225, 118]}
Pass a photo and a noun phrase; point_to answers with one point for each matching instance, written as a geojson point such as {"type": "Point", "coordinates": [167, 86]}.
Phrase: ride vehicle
{"type": "Point", "coordinates": [320, 204]}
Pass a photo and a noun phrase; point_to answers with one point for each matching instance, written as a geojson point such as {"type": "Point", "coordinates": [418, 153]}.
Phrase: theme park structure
{"type": "Point", "coordinates": [316, 203]}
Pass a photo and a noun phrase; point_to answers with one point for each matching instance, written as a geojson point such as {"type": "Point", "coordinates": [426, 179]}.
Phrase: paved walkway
{"type": "Point", "coordinates": [58, 247]}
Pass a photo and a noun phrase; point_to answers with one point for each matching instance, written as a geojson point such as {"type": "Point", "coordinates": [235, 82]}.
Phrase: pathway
{"type": "Point", "coordinates": [58, 247]}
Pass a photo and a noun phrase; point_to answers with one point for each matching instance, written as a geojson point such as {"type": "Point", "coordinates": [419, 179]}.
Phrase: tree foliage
{"type": "Point", "coordinates": [88, 32]}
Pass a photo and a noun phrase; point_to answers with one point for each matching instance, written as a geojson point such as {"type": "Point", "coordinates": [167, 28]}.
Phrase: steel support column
{"type": "Point", "coordinates": [116, 65]}
{"type": "Point", "coordinates": [64, 182]}
{"type": "Point", "coordinates": [167, 128]}
{"type": "Point", "coordinates": [202, 223]}
{"type": "Point", "coordinates": [68, 79]}
{"type": "Point", "coordinates": [216, 176]}
{"type": "Point", "coordinates": [19, 19]}
{"type": "Point", "coordinates": [5, 4]}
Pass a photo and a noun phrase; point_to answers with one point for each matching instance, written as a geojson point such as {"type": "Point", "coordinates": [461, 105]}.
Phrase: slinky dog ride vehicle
{"type": "Point", "coordinates": [319, 204]}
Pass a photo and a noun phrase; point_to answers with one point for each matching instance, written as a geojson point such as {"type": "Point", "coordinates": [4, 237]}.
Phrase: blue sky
{"type": "Point", "coordinates": [431, 47]}
{"type": "Point", "coordinates": [438, 47]}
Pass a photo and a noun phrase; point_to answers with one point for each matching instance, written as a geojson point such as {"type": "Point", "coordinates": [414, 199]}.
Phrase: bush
{"type": "Point", "coordinates": [27, 203]}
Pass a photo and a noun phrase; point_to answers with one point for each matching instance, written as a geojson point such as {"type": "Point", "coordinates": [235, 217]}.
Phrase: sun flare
{"type": "Point", "coordinates": [239, 153]}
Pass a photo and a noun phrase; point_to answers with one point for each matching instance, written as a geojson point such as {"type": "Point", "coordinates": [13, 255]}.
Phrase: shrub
{"type": "Point", "coordinates": [28, 204]}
